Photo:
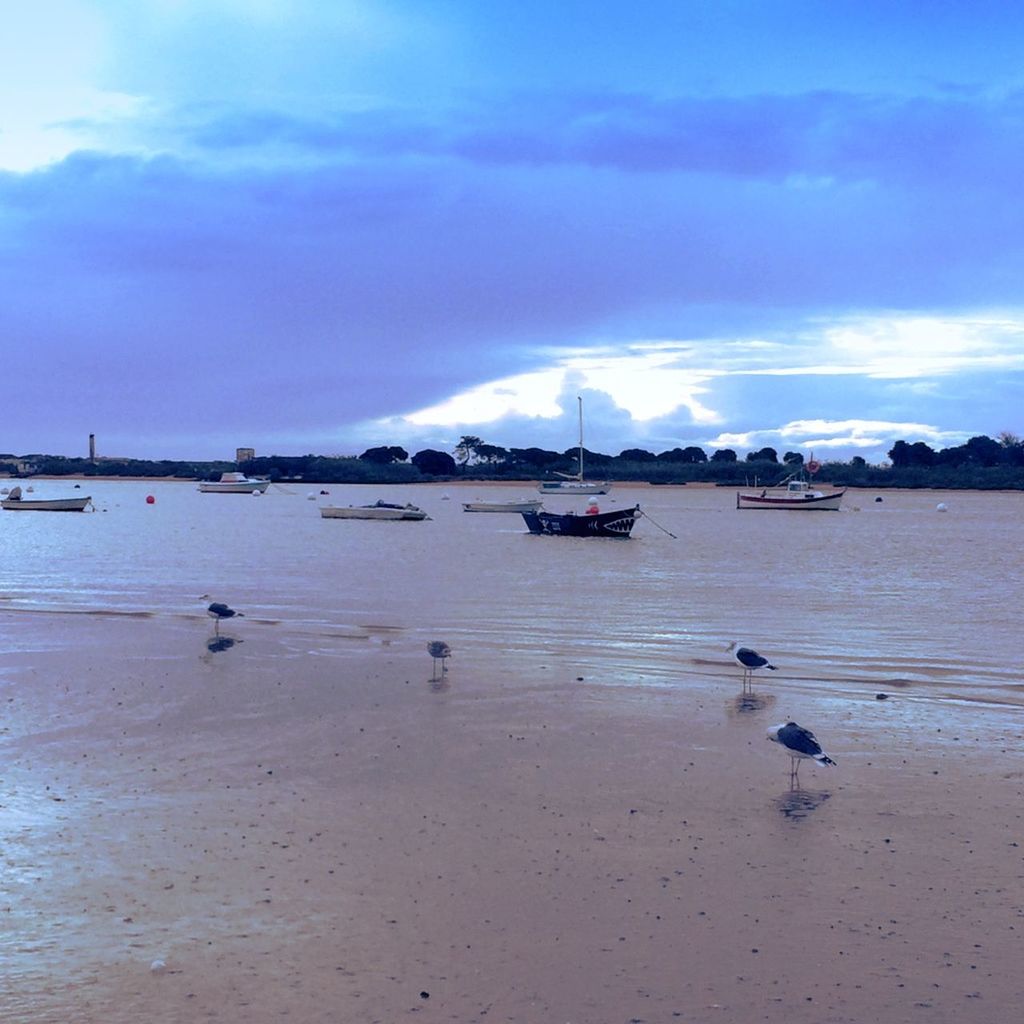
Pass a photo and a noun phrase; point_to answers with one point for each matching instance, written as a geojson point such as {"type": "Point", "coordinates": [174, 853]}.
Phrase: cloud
{"type": "Point", "coordinates": [308, 224]}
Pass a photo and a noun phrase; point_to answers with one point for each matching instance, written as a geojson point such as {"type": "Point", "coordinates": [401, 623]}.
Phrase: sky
{"type": "Point", "coordinates": [318, 226]}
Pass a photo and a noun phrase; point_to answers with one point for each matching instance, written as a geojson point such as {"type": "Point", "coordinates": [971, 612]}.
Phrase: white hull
{"type": "Point", "coordinates": [233, 483]}
{"type": "Point", "coordinates": [526, 505]}
{"type": "Point", "coordinates": [574, 487]}
{"type": "Point", "coordinates": [410, 512]}
{"type": "Point", "coordinates": [45, 504]}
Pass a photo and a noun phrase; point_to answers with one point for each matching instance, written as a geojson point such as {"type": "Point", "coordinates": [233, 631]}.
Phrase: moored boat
{"type": "Point", "coordinates": [14, 502]}
{"type": "Point", "coordinates": [575, 484]}
{"type": "Point", "coordinates": [234, 483]}
{"type": "Point", "coordinates": [618, 523]}
{"type": "Point", "coordinates": [795, 492]}
{"type": "Point", "coordinates": [379, 510]}
{"type": "Point", "coordinates": [520, 505]}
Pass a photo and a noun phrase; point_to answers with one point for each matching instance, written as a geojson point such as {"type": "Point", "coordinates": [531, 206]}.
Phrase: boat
{"type": "Point", "coordinates": [618, 523]}
{"type": "Point", "coordinates": [379, 510]}
{"type": "Point", "coordinates": [795, 492]}
{"type": "Point", "coordinates": [234, 483]}
{"type": "Point", "coordinates": [15, 502]}
{"type": "Point", "coordinates": [519, 505]}
{"type": "Point", "coordinates": [575, 484]}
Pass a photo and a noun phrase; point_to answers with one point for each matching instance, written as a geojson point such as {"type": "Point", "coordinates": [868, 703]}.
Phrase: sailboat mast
{"type": "Point", "coordinates": [579, 399]}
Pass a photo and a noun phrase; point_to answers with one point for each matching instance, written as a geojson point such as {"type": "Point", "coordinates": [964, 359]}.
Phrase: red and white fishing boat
{"type": "Point", "coordinates": [795, 492]}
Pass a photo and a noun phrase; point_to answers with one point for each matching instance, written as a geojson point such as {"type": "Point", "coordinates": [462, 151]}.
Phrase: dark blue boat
{"type": "Point", "coordinates": [618, 523]}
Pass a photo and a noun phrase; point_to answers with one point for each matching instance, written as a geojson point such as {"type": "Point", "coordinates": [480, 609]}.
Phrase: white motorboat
{"type": "Point", "coordinates": [379, 510]}
{"type": "Point", "coordinates": [234, 483]}
{"type": "Point", "coordinates": [520, 505]}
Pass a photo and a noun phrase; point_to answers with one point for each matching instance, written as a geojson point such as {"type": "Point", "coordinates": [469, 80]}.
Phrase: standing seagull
{"type": "Point", "coordinates": [750, 661]}
{"type": "Point", "coordinates": [218, 611]}
{"type": "Point", "coordinates": [800, 744]}
{"type": "Point", "coordinates": [439, 650]}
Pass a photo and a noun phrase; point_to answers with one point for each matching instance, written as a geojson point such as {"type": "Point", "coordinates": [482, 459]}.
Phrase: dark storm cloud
{"type": "Point", "coordinates": [371, 263]}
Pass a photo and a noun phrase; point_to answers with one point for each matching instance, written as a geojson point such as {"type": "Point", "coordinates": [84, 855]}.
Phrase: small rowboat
{"type": "Point", "coordinates": [381, 510]}
{"type": "Point", "coordinates": [14, 502]}
{"type": "Point", "coordinates": [522, 505]}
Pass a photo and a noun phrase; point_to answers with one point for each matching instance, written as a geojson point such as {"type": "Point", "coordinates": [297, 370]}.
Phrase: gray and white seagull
{"type": "Point", "coordinates": [800, 744]}
{"type": "Point", "coordinates": [749, 660]}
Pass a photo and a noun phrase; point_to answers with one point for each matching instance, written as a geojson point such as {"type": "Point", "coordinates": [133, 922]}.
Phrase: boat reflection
{"type": "Point", "coordinates": [798, 804]}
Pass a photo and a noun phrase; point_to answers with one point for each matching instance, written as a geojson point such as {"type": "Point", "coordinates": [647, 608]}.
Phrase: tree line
{"type": "Point", "coordinates": [980, 463]}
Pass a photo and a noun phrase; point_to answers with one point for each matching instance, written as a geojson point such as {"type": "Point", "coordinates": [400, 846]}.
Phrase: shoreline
{"type": "Point", "coordinates": [329, 836]}
{"type": "Point", "coordinates": [691, 485]}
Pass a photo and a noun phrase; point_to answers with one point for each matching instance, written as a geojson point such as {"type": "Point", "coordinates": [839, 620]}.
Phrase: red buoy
{"type": "Point", "coordinates": [150, 500]}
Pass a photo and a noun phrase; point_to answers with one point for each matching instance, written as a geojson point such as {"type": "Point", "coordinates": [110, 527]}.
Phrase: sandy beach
{"type": "Point", "coordinates": [335, 837]}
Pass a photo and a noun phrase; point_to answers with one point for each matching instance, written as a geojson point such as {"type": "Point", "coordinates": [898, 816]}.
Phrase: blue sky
{"type": "Point", "coordinates": [321, 226]}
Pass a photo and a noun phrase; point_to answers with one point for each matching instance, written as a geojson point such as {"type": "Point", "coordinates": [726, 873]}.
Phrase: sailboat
{"type": "Point", "coordinates": [575, 484]}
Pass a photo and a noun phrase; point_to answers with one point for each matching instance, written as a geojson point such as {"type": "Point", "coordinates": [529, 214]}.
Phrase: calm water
{"type": "Point", "coordinates": [885, 594]}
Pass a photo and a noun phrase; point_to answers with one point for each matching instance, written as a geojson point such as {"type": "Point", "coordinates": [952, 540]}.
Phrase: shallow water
{"type": "Point", "coordinates": [890, 594]}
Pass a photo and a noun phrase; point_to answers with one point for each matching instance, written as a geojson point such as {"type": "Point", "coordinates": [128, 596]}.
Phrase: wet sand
{"type": "Point", "coordinates": [333, 837]}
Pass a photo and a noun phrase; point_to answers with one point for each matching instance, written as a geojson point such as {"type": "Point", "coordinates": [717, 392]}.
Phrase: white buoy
{"type": "Point", "coordinates": [311, 496]}
{"type": "Point", "coordinates": [941, 507]}
{"type": "Point", "coordinates": [157, 967]}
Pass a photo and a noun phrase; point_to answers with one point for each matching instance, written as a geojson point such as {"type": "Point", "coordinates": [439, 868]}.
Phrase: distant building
{"type": "Point", "coordinates": [245, 454]}
{"type": "Point", "coordinates": [92, 447]}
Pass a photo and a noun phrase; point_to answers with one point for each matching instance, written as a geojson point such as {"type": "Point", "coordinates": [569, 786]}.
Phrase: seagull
{"type": "Point", "coordinates": [749, 660]}
{"type": "Point", "coordinates": [800, 744]}
{"type": "Point", "coordinates": [218, 611]}
{"type": "Point", "coordinates": [438, 649]}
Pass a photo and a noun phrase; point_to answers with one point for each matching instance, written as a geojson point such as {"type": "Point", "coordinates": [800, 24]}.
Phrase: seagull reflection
{"type": "Point", "coordinates": [798, 804]}
{"type": "Point", "coordinates": [747, 701]}
{"type": "Point", "coordinates": [216, 644]}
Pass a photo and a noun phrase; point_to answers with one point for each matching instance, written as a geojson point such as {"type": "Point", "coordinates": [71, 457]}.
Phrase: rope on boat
{"type": "Point", "coordinates": [647, 515]}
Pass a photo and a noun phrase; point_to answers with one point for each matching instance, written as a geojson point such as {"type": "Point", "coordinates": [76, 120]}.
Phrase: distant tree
{"type": "Point", "coordinates": [637, 455]}
{"type": "Point", "coordinates": [858, 462]}
{"type": "Point", "coordinates": [384, 456]}
{"type": "Point", "coordinates": [922, 454]}
{"type": "Point", "coordinates": [589, 457]}
{"type": "Point", "coordinates": [793, 459]}
{"type": "Point", "coordinates": [434, 463]}
{"type": "Point", "coordinates": [672, 455]}
{"type": "Point", "coordinates": [490, 454]}
{"type": "Point", "coordinates": [899, 455]}
{"type": "Point", "coordinates": [724, 455]}
{"type": "Point", "coordinates": [692, 454]}
{"type": "Point", "coordinates": [984, 450]}
{"type": "Point", "coordinates": [1013, 449]}
{"type": "Point", "coordinates": [955, 456]}
{"type": "Point", "coordinates": [538, 458]}
{"type": "Point", "coordinates": [763, 455]}
{"type": "Point", "coordinates": [466, 449]}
